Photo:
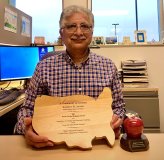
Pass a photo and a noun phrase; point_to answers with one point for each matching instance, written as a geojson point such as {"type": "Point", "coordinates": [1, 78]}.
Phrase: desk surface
{"type": "Point", "coordinates": [14, 148]}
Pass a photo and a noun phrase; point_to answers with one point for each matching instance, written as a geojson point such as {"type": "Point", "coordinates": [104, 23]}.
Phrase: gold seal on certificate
{"type": "Point", "coordinates": [74, 120]}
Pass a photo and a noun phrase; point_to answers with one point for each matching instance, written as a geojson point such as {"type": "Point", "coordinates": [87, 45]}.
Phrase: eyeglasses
{"type": "Point", "coordinates": [71, 28]}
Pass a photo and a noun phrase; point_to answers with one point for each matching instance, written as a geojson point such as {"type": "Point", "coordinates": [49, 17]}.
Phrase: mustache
{"type": "Point", "coordinates": [78, 38]}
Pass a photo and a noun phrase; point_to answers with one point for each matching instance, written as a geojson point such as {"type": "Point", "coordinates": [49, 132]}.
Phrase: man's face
{"type": "Point", "coordinates": [77, 32]}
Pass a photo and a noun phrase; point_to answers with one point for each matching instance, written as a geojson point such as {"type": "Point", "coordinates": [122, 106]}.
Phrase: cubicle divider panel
{"type": "Point", "coordinates": [15, 26]}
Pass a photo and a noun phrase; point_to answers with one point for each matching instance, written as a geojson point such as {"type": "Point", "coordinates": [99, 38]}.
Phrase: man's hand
{"type": "Point", "coordinates": [32, 138]}
{"type": "Point", "coordinates": [115, 124]}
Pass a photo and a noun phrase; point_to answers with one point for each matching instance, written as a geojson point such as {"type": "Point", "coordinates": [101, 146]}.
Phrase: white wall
{"type": "Point", "coordinates": [154, 55]}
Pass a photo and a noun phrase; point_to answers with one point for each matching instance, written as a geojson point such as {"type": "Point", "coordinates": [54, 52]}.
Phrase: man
{"type": "Point", "coordinates": [77, 71]}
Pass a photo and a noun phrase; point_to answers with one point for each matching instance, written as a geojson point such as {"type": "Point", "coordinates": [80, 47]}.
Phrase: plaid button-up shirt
{"type": "Point", "coordinates": [57, 75]}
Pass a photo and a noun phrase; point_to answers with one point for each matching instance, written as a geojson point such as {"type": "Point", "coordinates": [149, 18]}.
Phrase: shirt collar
{"type": "Point", "coordinates": [90, 60]}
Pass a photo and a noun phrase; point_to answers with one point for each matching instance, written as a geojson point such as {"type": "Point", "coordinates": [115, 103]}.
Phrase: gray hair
{"type": "Point", "coordinates": [68, 11]}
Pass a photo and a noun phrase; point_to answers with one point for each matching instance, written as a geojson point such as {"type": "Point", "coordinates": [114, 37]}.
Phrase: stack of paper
{"type": "Point", "coordinates": [135, 73]}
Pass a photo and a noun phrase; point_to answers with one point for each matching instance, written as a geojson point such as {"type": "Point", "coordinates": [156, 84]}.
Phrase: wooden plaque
{"type": "Point", "coordinates": [75, 120]}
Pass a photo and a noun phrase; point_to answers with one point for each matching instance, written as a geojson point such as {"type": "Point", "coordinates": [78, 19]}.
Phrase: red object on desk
{"type": "Point", "coordinates": [133, 127]}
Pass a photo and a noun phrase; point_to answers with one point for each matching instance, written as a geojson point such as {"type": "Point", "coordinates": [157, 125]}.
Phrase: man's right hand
{"type": "Point", "coordinates": [32, 138]}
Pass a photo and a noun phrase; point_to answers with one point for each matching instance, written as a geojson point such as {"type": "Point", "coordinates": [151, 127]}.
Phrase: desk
{"type": "Point", "coordinates": [6, 108]}
{"type": "Point", "coordinates": [14, 148]}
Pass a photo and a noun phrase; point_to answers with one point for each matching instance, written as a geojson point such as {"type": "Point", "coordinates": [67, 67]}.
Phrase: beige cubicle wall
{"type": "Point", "coordinates": [14, 38]}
